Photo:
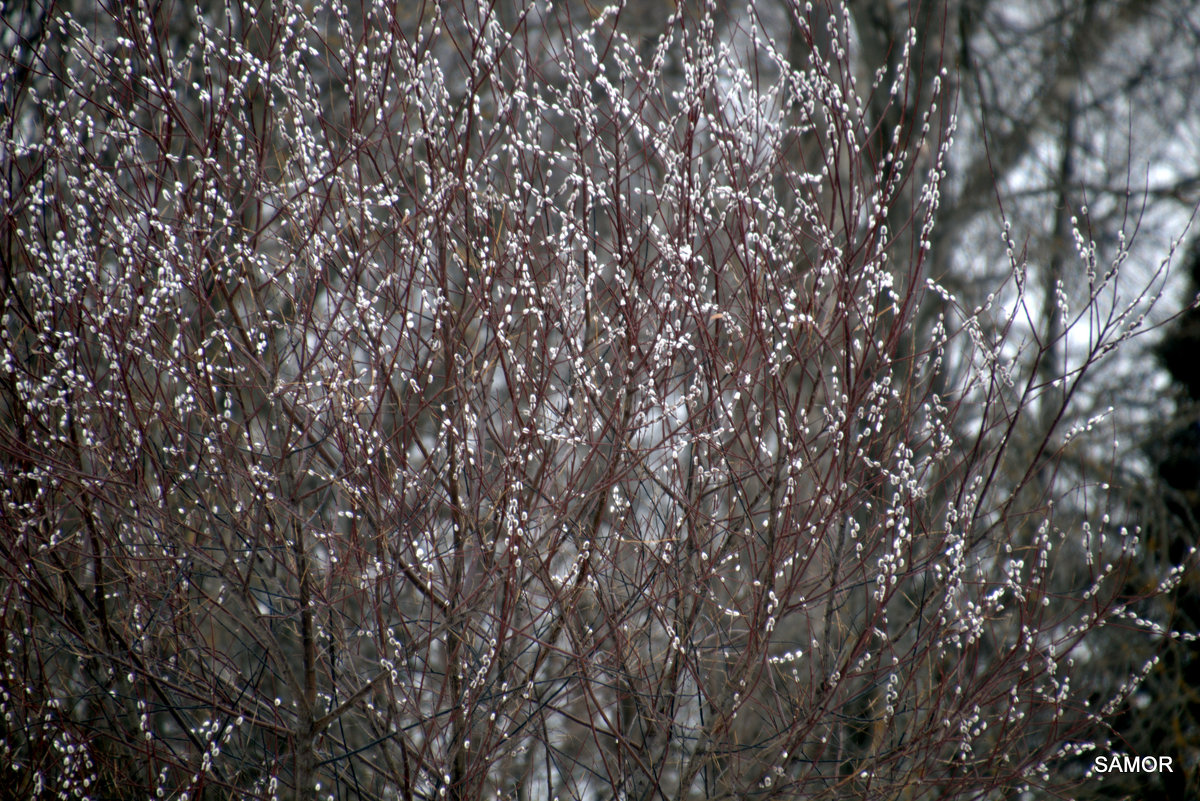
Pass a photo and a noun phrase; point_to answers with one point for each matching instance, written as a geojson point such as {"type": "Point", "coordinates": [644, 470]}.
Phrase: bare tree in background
{"type": "Point", "coordinates": [503, 402]}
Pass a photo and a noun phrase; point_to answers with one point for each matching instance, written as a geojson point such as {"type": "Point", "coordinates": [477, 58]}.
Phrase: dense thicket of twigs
{"type": "Point", "coordinates": [493, 403]}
